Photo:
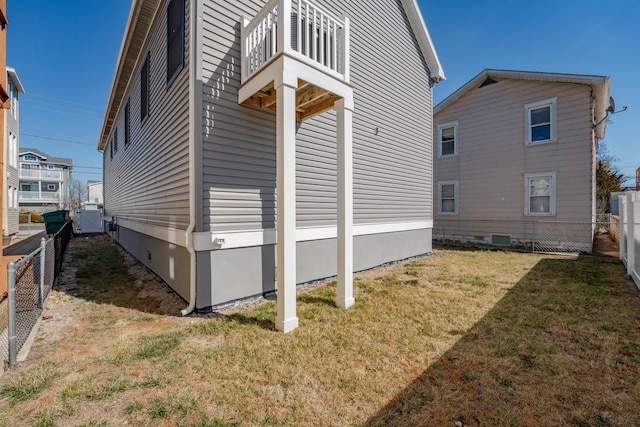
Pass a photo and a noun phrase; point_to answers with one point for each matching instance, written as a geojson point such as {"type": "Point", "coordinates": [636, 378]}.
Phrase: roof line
{"type": "Point", "coordinates": [424, 39]}
{"type": "Point", "coordinates": [601, 86]}
{"type": "Point", "coordinates": [11, 73]}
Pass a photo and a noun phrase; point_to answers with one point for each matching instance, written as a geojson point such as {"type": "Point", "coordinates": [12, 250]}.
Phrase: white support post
{"type": "Point", "coordinates": [631, 233]}
{"type": "Point", "coordinates": [286, 319]}
{"type": "Point", "coordinates": [344, 115]}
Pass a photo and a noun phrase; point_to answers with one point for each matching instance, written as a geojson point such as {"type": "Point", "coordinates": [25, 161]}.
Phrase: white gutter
{"type": "Point", "coordinates": [195, 29]}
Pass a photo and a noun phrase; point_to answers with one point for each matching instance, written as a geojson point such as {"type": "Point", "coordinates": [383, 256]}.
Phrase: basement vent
{"type": "Point", "coordinates": [488, 81]}
{"type": "Point", "coordinates": [500, 239]}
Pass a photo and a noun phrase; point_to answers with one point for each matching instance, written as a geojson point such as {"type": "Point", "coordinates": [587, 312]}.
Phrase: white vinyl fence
{"type": "Point", "coordinates": [629, 209]}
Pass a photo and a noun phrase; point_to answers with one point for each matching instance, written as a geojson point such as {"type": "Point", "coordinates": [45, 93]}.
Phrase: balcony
{"type": "Point", "coordinates": [295, 62]}
{"type": "Point", "coordinates": [41, 175]}
{"type": "Point", "coordinates": [40, 197]}
{"type": "Point", "coordinates": [318, 47]}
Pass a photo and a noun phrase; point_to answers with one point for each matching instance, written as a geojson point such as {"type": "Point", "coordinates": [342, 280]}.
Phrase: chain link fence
{"type": "Point", "coordinates": [535, 236]}
{"type": "Point", "coordinates": [30, 280]}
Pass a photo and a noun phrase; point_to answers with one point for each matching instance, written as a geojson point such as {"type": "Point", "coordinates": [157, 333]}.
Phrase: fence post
{"type": "Point", "coordinates": [631, 238]}
{"type": "Point", "coordinates": [43, 244]}
{"type": "Point", "coordinates": [11, 282]}
{"type": "Point", "coordinates": [621, 227]}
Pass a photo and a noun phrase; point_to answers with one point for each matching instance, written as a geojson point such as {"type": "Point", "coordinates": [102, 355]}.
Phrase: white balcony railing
{"type": "Point", "coordinates": [312, 35]}
{"type": "Point", "coordinates": [41, 174]}
{"type": "Point", "coordinates": [40, 196]}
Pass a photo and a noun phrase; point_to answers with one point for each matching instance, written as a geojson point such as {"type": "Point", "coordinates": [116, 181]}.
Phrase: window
{"type": "Point", "coordinates": [115, 141]}
{"type": "Point", "coordinates": [30, 158]}
{"type": "Point", "coordinates": [540, 193]}
{"type": "Point", "coordinates": [51, 167]}
{"type": "Point", "coordinates": [144, 88]}
{"type": "Point", "coordinates": [13, 149]}
{"type": "Point", "coordinates": [111, 149]}
{"type": "Point", "coordinates": [447, 139]}
{"type": "Point", "coordinates": [51, 187]}
{"type": "Point", "coordinates": [448, 197]}
{"type": "Point", "coordinates": [126, 122]}
{"type": "Point", "coordinates": [540, 121]}
{"type": "Point", "coordinates": [175, 39]}
{"type": "Point", "coordinates": [14, 95]}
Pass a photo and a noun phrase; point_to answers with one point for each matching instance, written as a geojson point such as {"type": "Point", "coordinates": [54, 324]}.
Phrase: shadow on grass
{"type": "Point", "coordinates": [102, 276]}
{"type": "Point", "coordinates": [561, 348]}
{"type": "Point", "coordinates": [315, 299]}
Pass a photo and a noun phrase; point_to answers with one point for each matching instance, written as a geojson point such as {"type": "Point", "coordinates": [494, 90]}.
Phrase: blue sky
{"type": "Point", "coordinates": [64, 52]}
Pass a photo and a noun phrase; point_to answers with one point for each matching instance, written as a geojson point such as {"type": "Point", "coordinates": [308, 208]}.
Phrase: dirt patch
{"type": "Point", "coordinates": [71, 309]}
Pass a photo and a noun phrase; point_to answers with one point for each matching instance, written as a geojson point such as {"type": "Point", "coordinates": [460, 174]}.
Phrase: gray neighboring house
{"type": "Point", "coordinates": [514, 159]}
{"type": "Point", "coordinates": [226, 149]}
{"type": "Point", "coordinates": [10, 206]}
{"type": "Point", "coordinates": [44, 181]}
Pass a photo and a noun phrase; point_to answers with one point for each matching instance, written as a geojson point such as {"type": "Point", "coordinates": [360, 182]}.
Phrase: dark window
{"type": "Point", "coordinates": [175, 38]}
{"type": "Point", "coordinates": [111, 149]}
{"type": "Point", "coordinates": [126, 123]}
{"type": "Point", "coordinates": [144, 88]}
{"type": "Point", "coordinates": [115, 141]}
{"type": "Point", "coordinates": [541, 124]}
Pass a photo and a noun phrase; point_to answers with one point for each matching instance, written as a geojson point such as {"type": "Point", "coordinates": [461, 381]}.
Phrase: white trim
{"type": "Point", "coordinates": [455, 184]}
{"type": "Point", "coordinates": [208, 241]}
{"type": "Point", "coordinates": [454, 125]}
{"type": "Point", "coordinates": [171, 235]}
{"type": "Point", "coordinates": [423, 38]}
{"type": "Point", "coordinates": [552, 104]}
{"type": "Point", "coordinates": [552, 193]}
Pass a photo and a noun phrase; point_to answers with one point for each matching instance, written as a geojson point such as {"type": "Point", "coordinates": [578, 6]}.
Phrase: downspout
{"type": "Point", "coordinates": [195, 29]}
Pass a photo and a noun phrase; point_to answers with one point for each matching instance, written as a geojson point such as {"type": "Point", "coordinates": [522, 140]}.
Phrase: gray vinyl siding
{"type": "Point", "coordinates": [493, 158]}
{"type": "Point", "coordinates": [392, 92]}
{"type": "Point", "coordinates": [11, 225]}
{"type": "Point", "coordinates": [147, 181]}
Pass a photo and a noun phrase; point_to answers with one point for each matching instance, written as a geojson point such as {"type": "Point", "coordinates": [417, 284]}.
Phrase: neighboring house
{"type": "Point", "coordinates": [220, 140]}
{"type": "Point", "coordinates": [95, 192]}
{"type": "Point", "coordinates": [44, 181]}
{"type": "Point", "coordinates": [514, 159]}
{"type": "Point", "coordinates": [10, 206]}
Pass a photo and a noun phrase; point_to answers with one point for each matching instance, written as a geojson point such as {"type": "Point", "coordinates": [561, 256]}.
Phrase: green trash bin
{"type": "Point", "coordinates": [53, 221]}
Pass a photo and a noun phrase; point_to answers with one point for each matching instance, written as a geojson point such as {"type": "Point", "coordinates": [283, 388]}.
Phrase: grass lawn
{"type": "Point", "coordinates": [460, 338]}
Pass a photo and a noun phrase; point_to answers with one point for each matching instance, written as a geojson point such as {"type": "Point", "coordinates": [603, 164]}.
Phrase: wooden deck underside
{"type": "Point", "coordinates": [310, 100]}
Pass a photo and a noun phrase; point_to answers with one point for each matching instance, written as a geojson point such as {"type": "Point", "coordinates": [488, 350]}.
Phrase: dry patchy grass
{"type": "Point", "coordinates": [464, 337]}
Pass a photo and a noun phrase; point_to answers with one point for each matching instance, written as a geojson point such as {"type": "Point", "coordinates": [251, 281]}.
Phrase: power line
{"type": "Point", "coordinates": [62, 100]}
{"type": "Point", "coordinates": [74, 109]}
{"type": "Point", "coordinates": [67, 114]}
{"type": "Point", "coordinates": [57, 139]}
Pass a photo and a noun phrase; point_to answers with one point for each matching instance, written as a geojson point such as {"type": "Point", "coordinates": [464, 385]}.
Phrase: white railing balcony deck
{"type": "Point", "coordinates": [301, 29]}
{"type": "Point", "coordinates": [40, 196]}
{"type": "Point", "coordinates": [39, 174]}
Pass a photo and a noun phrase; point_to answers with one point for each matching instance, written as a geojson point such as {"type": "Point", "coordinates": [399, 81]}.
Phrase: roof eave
{"type": "Point", "coordinates": [127, 58]}
{"type": "Point", "coordinates": [600, 84]}
{"type": "Point", "coordinates": [11, 73]}
{"type": "Point", "coordinates": [424, 39]}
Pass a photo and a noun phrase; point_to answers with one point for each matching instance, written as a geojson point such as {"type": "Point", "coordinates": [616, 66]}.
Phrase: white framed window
{"type": "Point", "coordinates": [448, 139]}
{"type": "Point", "coordinates": [30, 158]}
{"type": "Point", "coordinates": [14, 98]}
{"type": "Point", "coordinates": [448, 197]}
{"type": "Point", "coordinates": [13, 149]}
{"type": "Point", "coordinates": [540, 121]}
{"type": "Point", "coordinates": [51, 167]}
{"type": "Point", "coordinates": [51, 187]}
{"type": "Point", "coordinates": [540, 193]}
